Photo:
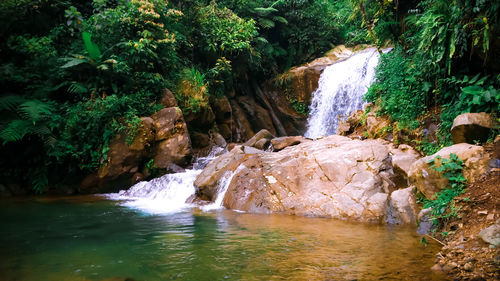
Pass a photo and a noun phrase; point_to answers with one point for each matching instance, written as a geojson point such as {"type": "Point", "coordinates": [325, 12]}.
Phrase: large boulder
{"type": "Point", "coordinates": [174, 146]}
{"type": "Point", "coordinates": [402, 206]}
{"type": "Point", "coordinates": [163, 137]}
{"type": "Point", "coordinates": [471, 127]}
{"type": "Point", "coordinates": [332, 177]}
{"type": "Point", "coordinates": [429, 181]}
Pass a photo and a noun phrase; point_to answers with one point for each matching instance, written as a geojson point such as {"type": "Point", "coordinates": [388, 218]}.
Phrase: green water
{"type": "Point", "coordinates": [87, 238]}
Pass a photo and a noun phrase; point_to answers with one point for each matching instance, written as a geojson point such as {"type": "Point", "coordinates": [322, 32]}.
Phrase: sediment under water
{"type": "Point", "coordinates": [89, 238]}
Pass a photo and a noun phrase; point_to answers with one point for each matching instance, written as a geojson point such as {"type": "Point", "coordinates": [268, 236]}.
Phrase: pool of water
{"type": "Point", "coordinates": [89, 238]}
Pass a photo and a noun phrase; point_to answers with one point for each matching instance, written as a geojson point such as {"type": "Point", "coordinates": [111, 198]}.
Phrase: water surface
{"type": "Point", "coordinates": [88, 238]}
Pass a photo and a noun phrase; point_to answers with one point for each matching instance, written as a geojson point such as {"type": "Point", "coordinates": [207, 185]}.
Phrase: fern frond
{"type": "Point", "coordinates": [266, 23]}
{"type": "Point", "coordinates": [15, 130]}
{"type": "Point", "coordinates": [280, 19]}
{"type": "Point", "coordinates": [33, 110]}
{"type": "Point", "coordinates": [77, 88]}
{"type": "Point", "coordinates": [265, 11]}
{"type": "Point", "coordinates": [11, 102]}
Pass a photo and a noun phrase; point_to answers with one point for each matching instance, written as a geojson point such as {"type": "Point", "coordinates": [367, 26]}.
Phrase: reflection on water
{"type": "Point", "coordinates": [85, 238]}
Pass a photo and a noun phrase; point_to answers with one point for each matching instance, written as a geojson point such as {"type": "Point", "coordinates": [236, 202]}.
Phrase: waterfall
{"type": "Point", "coordinates": [165, 194]}
{"type": "Point", "coordinates": [340, 92]}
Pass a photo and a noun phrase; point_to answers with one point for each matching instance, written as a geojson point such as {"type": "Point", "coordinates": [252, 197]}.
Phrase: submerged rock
{"type": "Point", "coordinates": [333, 177]}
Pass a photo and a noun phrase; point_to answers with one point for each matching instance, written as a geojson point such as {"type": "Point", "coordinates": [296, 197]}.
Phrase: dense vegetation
{"type": "Point", "coordinates": [75, 73]}
{"type": "Point", "coordinates": [446, 58]}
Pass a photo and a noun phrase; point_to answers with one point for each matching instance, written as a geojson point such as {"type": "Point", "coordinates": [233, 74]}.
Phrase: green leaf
{"type": "Point", "coordinates": [92, 48]}
{"type": "Point", "coordinates": [71, 62]}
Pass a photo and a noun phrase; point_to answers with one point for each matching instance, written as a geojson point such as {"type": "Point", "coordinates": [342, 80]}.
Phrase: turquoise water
{"type": "Point", "coordinates": [89, 238]}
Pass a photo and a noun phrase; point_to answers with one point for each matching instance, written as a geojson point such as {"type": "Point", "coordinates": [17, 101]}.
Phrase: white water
{"type": "Point", "coordinates": [168, 193]}
{"type": "Point", "coordinates": [221, 190]}
{"type": "Point", "coordinates": [340, 92]}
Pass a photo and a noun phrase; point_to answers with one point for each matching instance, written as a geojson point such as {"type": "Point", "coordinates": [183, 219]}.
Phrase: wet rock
{"type": "Point", "coordinates": [137, 177]}
{"type": "Point", "coordinates": [168, 99]}
{"type": "Point", "coordinates": [471, 127]}
{"type": "Point", "coordinates": [429, 181]}
{"type": "Point", "coordinates": [175, 150]}
{"type": "Point", "coordinates": [403, 158]}
{"type": "Point", "coordinates": [218, 140]}
{"type": "Point", "coordinates": [491, 234]}
{"type": "Point", "coordinates": [282, 142]}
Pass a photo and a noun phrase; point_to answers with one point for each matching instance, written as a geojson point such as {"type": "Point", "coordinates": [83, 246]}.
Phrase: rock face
{"type": "Point", "coordinates": [470, 127]}
{"type": "Point", "coordinates": [429, 181]}
{"type": "Point", "coordinates": [333, 177]}
{"type": "Point", "coordinates": [163, 137]}
{"type": "Point", "coordinates": [262, 134]}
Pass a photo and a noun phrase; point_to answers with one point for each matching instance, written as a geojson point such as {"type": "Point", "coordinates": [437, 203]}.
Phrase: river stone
{"type": "Point", "coordinates": [168, 122]}
{"type": "Point", "coordinates": [429, 181]}
{"type": "Point", "coordinates": [332, 177]}
{"type": "Point", "coordinates": [262, 144]}
{"type": "Point", "coordinates": [470, 127]}
{"type": "Point", "coordinates": [491, 234]}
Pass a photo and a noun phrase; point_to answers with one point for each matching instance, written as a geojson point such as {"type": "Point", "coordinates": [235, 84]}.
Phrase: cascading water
{"type": "Point", "coordinates": [168, 193]}
{"type": "Point", "coordinates": [340, 92]}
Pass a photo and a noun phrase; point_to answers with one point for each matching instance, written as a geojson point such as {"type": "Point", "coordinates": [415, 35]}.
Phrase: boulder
{"type": "Point", "coordinates": [403, 158]}
{"type": "Point", "coordinates": [402, 207]}
{"type": "Point", "coordinates": [471, 127]}
{"type": "Point", "coordinates": [168, 122]}
{"type": "Point", "coordinates": [175, 150]}
{"type": "Point", "coordinates": [428, 181]}
{"type": "Point", "coordinates": [262, 134]}
{"type": "Point", "coordinates": [282, 142]}
{"type": "Point", "coordinates": [168, 99]}
{"type": "Point", "coordinates": [491, 234]}
{"type": "Point", "coordinates": [163, 136]}
{"type": "Point", "coordinates": [332, 177]}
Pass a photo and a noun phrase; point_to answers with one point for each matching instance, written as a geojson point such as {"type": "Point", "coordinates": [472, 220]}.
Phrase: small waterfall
{"type": "Point", "coordinates": [165, 194]}
{"type": "Point", "coordinates": [221, 190]}
{"type": "Point", "coordinates": [340, 92]}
